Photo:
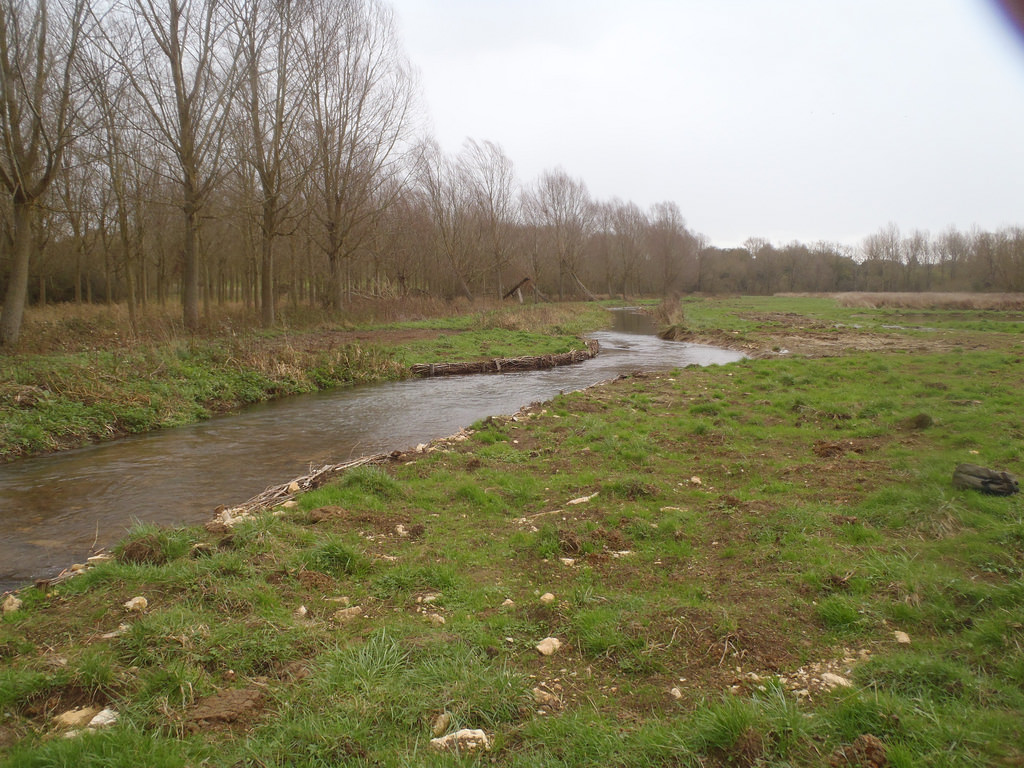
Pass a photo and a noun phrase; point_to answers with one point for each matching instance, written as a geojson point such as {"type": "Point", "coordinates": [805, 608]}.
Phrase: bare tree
{"type": "Point", "coordinates": [273, 88]}
{"type": "Point", "coordinates": [672, 246]}
{"type": "Point", "coordinates": [491, 181]}
{"type": "Point", "coordinates": [39, 52]}
{"type": "Point", "coordinates": [562, 206]}
{"type": "Point", "coordinates": [362, 99]}
{"type": "Point", "coordinates": [629, 228]}
{"type": "Point", "coordinates": [447, 198]}
{"type": "Point", "coordinates": [178, 58]}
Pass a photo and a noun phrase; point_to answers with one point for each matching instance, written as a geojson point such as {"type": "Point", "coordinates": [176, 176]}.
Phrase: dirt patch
{"type": "Point", "coordinates": [46, 704]}
{"type": "Point", "coordinates": [315, 581]}
{"type": "Point", "coordinates": [233, 706]}
{"type": "Point", "coordinates": [808, 341]}
{"type": "Point", "coordinates": [833, 449]}
{"type": "Point", "coordinates": [370, 522]}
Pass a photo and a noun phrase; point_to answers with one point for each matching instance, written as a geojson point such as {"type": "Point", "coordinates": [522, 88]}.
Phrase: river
{"type": "Point", "coordinates": [60, 508]}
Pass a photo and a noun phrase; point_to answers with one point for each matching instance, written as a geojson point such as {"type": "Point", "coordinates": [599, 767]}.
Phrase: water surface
{"type": "Point", "coordinates": [61, 508]}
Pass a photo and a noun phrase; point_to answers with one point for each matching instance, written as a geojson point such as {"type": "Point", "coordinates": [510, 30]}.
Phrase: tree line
{"type": "Point", "coordinates": [262, 151]}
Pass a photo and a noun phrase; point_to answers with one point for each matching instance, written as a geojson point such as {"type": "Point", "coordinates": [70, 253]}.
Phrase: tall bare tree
{"type": "Point", "coordinates": [179, 58]}
{"type": "Point", "coordinates": [672, 246]}
{"type": "Point", "coordinates": [490, 178]}
{"type": "Point", "coordinates": [273, 88]}
{"type": "Point", "coordinates": [40, 44]}
{"type": "Point", "coordinates": [448, 199]}
{"type": "Point", "coordinates": [562, 206]}
{"type": "Point", "coordinates": [362, 99]}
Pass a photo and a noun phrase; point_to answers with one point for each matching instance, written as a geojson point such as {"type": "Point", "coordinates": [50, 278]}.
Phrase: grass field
{"type": "Point", "coordinates": [763, 563]}
{"type": "Point", "coordinates": [84, 381]}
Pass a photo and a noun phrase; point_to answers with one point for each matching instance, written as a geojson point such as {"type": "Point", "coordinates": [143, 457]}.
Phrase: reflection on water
{"type": "Point", "coordinates": [58, 509]}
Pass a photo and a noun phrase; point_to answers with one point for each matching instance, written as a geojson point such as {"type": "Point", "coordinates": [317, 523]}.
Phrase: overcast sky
{"type": "Point", "coordinates": [783, 119]}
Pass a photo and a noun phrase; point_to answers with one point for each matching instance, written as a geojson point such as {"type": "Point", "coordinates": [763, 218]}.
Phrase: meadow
{"type": "Point", "coordinates": [757, 564]}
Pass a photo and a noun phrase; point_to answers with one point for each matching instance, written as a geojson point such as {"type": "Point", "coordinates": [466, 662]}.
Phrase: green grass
{"type": "Point", "coordinates": [743, 523]}
{"type": "Point", "coordinates": [57, 400]}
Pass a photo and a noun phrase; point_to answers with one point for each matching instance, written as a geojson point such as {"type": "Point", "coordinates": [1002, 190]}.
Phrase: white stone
{"type": "Point", "coordinates": [436, 619]}
{"type": "Point", "coordinates": [137, 604]}
{"type": "Point", "coordinates": [568, 561]}
{"type": "Point", "coordinates": [695, 480]}
{"type": "Point", "coordinates": [547, 598]}
{"type": "Point", "coordinates": [349, 613]}
{"type": "Point", "coordinates": [549, 645]}
{"type": "Point", "coordinates": [466, 740]}
{"type": "Point", "coordinates": [301, 611]}
{"type": "Point", "coordinates": [833, 680]}
{"type": "Point", "coordinates": [508, 603]}
{"type": "Point", "coordinates": [400, 530]}
{"type": "Point", "coordinates": [293, 487]}
{"type": "Point", "coordinates": [121, 629]}
{"type": "Point", "coordinates": [675, 693]}
{"type": "Point", "coordinates": [12, 604]}
{"type": "Point", "coordinates": [290, 504]}
{"type": "Point", "coordinates": [546, 699]}
{"type": "Point", "coordinates": [902, 638]}
{"type": "Point", "coordinates": [105, 718]}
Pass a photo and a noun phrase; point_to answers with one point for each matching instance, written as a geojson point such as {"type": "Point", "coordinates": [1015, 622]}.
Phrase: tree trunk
{"type": "Point", "coordinates": [190, 270]}
{"type": "Point", "coordinates": [268, 303]}
{"type": "Point", "coordinates": [17, 286]}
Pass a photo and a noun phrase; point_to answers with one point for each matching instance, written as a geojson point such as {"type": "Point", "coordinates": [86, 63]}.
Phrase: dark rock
{"type": "Point", "coordinates": [992, 481]}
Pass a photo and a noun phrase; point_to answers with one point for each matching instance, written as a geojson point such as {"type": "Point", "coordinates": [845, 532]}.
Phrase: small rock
{"type": "Point", "coordinates": [105, 718]}
{"type": "Point", "coordinates": [349, 613]}
{"type": "Point", "coordinates": [549, 645]}
{"type": "Point", "coordinates": [570, 561]}
{"type": "Point", "coordinates": [441, 723]}
{"type": "Point", "coordinates": [547, 598]}
{"type": "Point", "coordinates": [202, 549]}
{"type": "Point", "coordinates": [301, 611]}
{"type": "Point", "coordinates": [293, 487]}
{"type": "Point", "coordinates": [466, 740]}
{"type": "Point", "coordinates": [695, 480]}
{"type": "Point", "coordinates": [675, 693]}
{"type": "Point", "coordinates": [137, 604]}
{"type": "Point", "coordinates": [436, 619]}
{"type": "Point", "coordinates": [76, 718]}
{"type": "Point", "coordinates": [546, 698]}
{"type": "Point", "coordinates": [12, 604]}
{"type": "Point", "coordinates": [290, 504]}
{"type": "Point", "coordinates": [866, 750]}
{"type": "Point", "coordinates": [901, 637]}
{"type": "Point", "coordinates": [508, 603]}
{"type": "Point", "coordinates": [121, 629]}
{"type": "Point", "coordinates": [401, 531]}
{"type": "Point", "coordinates": [833, 680]}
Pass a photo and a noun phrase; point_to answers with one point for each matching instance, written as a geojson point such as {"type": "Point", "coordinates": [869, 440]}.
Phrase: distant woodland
{"type": "Point", "coordinates": [270, 151]}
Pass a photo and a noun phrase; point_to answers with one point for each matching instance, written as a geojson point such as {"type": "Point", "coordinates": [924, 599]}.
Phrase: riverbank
{"type": "Point", "coordinates": [759, 563]}
{"type": "Point", "coordinates": [52, 399]}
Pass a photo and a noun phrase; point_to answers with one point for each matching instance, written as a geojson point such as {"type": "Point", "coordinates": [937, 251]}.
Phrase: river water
{"type": "Point", "coordinates": [59, 509]}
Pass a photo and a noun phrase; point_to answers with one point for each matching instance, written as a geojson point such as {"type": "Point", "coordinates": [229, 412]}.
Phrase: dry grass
{"type": "Point", "coordinates": [990, 301]}
{"type": "Point", "coordinates": [82, 327]}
